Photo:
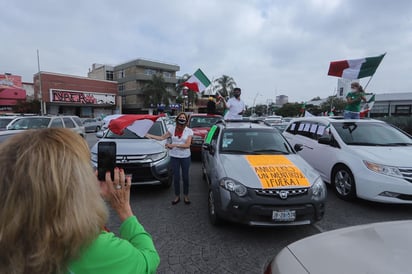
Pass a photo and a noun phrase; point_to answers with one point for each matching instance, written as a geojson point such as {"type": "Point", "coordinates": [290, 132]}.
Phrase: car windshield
{"type": "Point", "coordinates": [156, 129]}
{"type": "Point", "coordinates": [245, 141]}
{"type": "Point", "coordinates": [371, 134]}
{"type": "Point", "coordinates": [5, 121]}
{"type": "Point", "coordinates": [30, 123]}
{"type": "Point", "coordinates": [203, 121]}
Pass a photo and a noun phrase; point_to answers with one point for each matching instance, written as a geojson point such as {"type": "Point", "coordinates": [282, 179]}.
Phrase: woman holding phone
{"type": "Point", "coordinates": [53, 210]}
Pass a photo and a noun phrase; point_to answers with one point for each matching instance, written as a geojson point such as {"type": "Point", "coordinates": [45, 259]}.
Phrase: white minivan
{"type": "Point", "coordinates": [364, 158]}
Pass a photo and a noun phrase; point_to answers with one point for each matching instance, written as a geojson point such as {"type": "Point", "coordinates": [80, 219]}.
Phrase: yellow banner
{"type": "Point", "coordinates": [277, 171]}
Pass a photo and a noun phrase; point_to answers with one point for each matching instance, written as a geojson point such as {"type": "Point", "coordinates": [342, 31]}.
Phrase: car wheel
{"type": "Point", "coordinates": [344, 183]}
{"type": "Point", "coordinates": [213, 217]}
{"type": "Point", "coordinates": [97, 129]}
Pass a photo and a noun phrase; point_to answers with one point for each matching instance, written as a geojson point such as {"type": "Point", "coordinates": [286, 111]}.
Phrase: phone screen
{"type": "Point", "coordinates": [106, 159]}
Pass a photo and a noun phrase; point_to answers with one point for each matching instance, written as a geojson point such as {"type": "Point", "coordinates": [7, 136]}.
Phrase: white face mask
{"type": "Point", "coordinates": [354, 90]}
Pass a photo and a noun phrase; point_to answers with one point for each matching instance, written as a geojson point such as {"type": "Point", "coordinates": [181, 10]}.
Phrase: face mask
{"type": "Point", "coordinates": [181, 121]}
{"type": "Point", "coordinates": [354, 90]}
{"type": "Point", "coordinates": [237, 95]}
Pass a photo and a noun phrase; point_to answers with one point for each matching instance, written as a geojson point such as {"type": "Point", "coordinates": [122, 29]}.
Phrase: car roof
{"type": "Point", "coordinates": [233, 124]}
{"type": "Point", "coordinates": [335, 119]}
{"type": "Point", "coordinates": [204, 115]}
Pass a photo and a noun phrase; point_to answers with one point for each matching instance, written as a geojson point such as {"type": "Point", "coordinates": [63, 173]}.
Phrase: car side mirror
{"type": "Point", "coordinates": [326, 140]}
{"type": "Point", "coordinates": [298, 147]}
{"type": "Point", "coordinates": [99, 134]}
{"type": "Point", "coordinates": [208, 147]}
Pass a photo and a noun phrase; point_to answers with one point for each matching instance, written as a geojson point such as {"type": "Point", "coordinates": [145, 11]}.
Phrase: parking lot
{"type": "Point", "coordinates": [188, 243]}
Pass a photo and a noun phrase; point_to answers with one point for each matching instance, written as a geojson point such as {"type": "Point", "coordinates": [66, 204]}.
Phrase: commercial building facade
{"type": "Point", "coordinates": [75, 95]}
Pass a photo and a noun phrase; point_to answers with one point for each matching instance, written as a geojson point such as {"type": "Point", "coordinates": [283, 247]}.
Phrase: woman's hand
{"type": "Point", "coordinates": [117, 193]}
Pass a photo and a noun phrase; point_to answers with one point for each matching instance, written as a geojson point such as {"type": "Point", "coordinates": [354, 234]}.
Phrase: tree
{"type": "Point", "coordinates": [335, 103]}
{"type": "Point", "coordinates": [224, 85]}
{"type": "Point", "coordinates": [289, 110]}
{"type": "Point", "coordinates": [155, 92]}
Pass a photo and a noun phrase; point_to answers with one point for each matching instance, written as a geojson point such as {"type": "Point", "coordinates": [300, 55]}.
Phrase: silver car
{"type": "Point", "coordinates": [378, 248]}
{"type": "Point", "coordinates": [147, 160]}
{"type": "Point", "coordinates": [256, 178]}
{"type": "Point", "coordinates": [35, 122]}
{"type": "Point", "coordinates": [92, 124]}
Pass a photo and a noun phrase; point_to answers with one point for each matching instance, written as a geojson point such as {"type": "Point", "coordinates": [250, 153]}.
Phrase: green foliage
{"type": "Point", "coordinates": [27, 107]}
{"type": "Point", "coordinates": [225, 85]}
{"type": "Point", "coordinates": [155, 92]}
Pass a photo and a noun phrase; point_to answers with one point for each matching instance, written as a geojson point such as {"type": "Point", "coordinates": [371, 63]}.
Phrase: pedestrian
{"type": "Point", "coordinates": [53, 210]}
{"type": "Point", "coordinates": [235, 106]}
{"type": "Point", "coordinates": [181, 138]}
{"type": "Point", "coordinates": [353, 99]}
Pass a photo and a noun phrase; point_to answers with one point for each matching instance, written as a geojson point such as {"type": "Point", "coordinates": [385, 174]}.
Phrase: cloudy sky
{"type": "Point", "coordinates": [269, 47]}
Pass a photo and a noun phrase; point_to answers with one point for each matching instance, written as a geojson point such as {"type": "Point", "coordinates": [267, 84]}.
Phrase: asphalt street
{"type": "Point", "coordinates": [188, 243]}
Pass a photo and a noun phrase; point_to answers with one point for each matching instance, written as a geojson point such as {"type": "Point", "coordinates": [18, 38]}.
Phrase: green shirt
{"type": "Point", "coordinates": [134, 252]}
{"type": "Point", "coordinates": [355, 105]}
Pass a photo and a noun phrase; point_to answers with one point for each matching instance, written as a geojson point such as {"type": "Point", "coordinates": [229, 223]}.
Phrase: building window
{"type": "Point", "coordinates": [121, 74]}
{"type": "Point", "coordinates": [121, 88]}
{"type": "Point", "coordinates": [167, 74]}
{"type": "Point", "coordinates": [150, 71]}
{"type": "Point", "coordinates": [109, 75]}
{"type": "Point", "coordinates": [403, 110]}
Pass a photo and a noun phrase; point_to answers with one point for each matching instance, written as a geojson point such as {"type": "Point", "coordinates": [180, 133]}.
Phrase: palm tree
{"type": "Point", "coordinates": [225, 85]}
{"type": "Point", "coordinates": [155, 92]}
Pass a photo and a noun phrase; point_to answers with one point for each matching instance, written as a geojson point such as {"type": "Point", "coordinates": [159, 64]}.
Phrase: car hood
{"type": "Point", "coordinates": [394, 156]}
{"type": "Point", "coordinates": [134, 146]}
{"type": "Point", "coordinates": [240, 169]}
{"type": "Point", "coordinates": [374, 248]}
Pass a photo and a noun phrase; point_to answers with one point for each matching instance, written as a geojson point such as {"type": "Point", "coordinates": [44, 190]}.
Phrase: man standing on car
{"type": "Point", "coordinates": [235, 106]}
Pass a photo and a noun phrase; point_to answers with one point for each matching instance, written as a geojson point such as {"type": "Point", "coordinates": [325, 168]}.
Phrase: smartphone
{"type": "Point", "coordinates": [106, 159]}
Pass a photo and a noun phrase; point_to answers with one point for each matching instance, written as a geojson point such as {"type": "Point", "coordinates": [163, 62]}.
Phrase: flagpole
{"type": "Point", "coordinates": [40, 86]}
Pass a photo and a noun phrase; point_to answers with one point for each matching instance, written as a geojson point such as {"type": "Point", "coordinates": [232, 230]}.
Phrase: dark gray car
{"type": "Point", "coordinates": [256, 178]}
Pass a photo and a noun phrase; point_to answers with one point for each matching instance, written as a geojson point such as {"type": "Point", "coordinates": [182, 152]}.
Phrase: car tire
{"type": "Point", "coordinates": [343, 183]}
{"type": "Point", "coordinates": [213, 216]}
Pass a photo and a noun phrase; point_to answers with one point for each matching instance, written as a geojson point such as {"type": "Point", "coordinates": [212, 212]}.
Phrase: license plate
{"type": "Point", "coordinates": [284, 215]}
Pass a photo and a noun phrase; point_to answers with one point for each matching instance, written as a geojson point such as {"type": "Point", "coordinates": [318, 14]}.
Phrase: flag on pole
{"type": "Point", "coordinates": [137, 123]}
{"type": "Point", "coordinates": [368, 106]}
{"type": "Point", "coordinates": [355, 68]}
{"type": "Point", "coordinates": [198, 82]}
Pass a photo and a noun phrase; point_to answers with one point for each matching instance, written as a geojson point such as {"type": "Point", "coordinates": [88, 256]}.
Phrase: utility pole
{"type": "Point", "coordinates": [42, 112]}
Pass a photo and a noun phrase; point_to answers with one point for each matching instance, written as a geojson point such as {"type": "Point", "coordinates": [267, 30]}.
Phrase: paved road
{"type": "Point", "coordinates": [187, 243]}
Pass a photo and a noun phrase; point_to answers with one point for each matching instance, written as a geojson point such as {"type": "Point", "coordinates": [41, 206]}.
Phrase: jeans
{"type": "Point", "coordinates": [351, 115]}
{"type": "Point", "coordinates": [183, 164]}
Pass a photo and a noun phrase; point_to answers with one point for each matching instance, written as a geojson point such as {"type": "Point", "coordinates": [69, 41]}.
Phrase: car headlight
{"type": "Point", "coordinates": [318, 190]}
{"type": "Point", "coordinates": [233, 186]}
{"type": "Point", "coordinates": [382, 169]}
{"type": "Point", "coordinates": [157, 156]}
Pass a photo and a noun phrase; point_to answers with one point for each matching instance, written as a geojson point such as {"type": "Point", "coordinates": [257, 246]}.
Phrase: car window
{"type": "Point", "coordinates": [156, 129]}
{"type": "Point", "coordinates": [353, 133]}
{"type": "Point", "coordinates": [68, 122]}
{"type": "Point", "coordinates": [31, 123]}
{"type": "Point", "coordinates": [57, 123]}
{"type": "Point", "coordinates": [77, 121]}
{"type": "Point", "coordinates": [257, 141]}
{"type": "Point", "coordinates": [5, 121]}
{"type": "Point", "coordinates": [203, 121]}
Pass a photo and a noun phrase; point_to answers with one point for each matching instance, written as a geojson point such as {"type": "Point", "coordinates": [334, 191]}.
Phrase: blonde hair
{"type": "Point", "coordinates": [50, 203]}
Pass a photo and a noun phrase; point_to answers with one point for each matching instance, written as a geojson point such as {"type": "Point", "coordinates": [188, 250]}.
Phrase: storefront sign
{"type": "Point", "coordinates": [81, 97]}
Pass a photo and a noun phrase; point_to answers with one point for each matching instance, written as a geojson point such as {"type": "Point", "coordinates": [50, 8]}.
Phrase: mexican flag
{"type": "Point", "coordinates": [368, 106]}
{"type": "Point", "coordinates": [198, 82]}
{"type": "Point", "coordinates": [355, 68]}
{"type": "Point", "coordinates": [137, 123]}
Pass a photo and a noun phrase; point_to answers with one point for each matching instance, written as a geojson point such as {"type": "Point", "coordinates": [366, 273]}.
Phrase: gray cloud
{"type": "Point", "coordinates": [268, 47]}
